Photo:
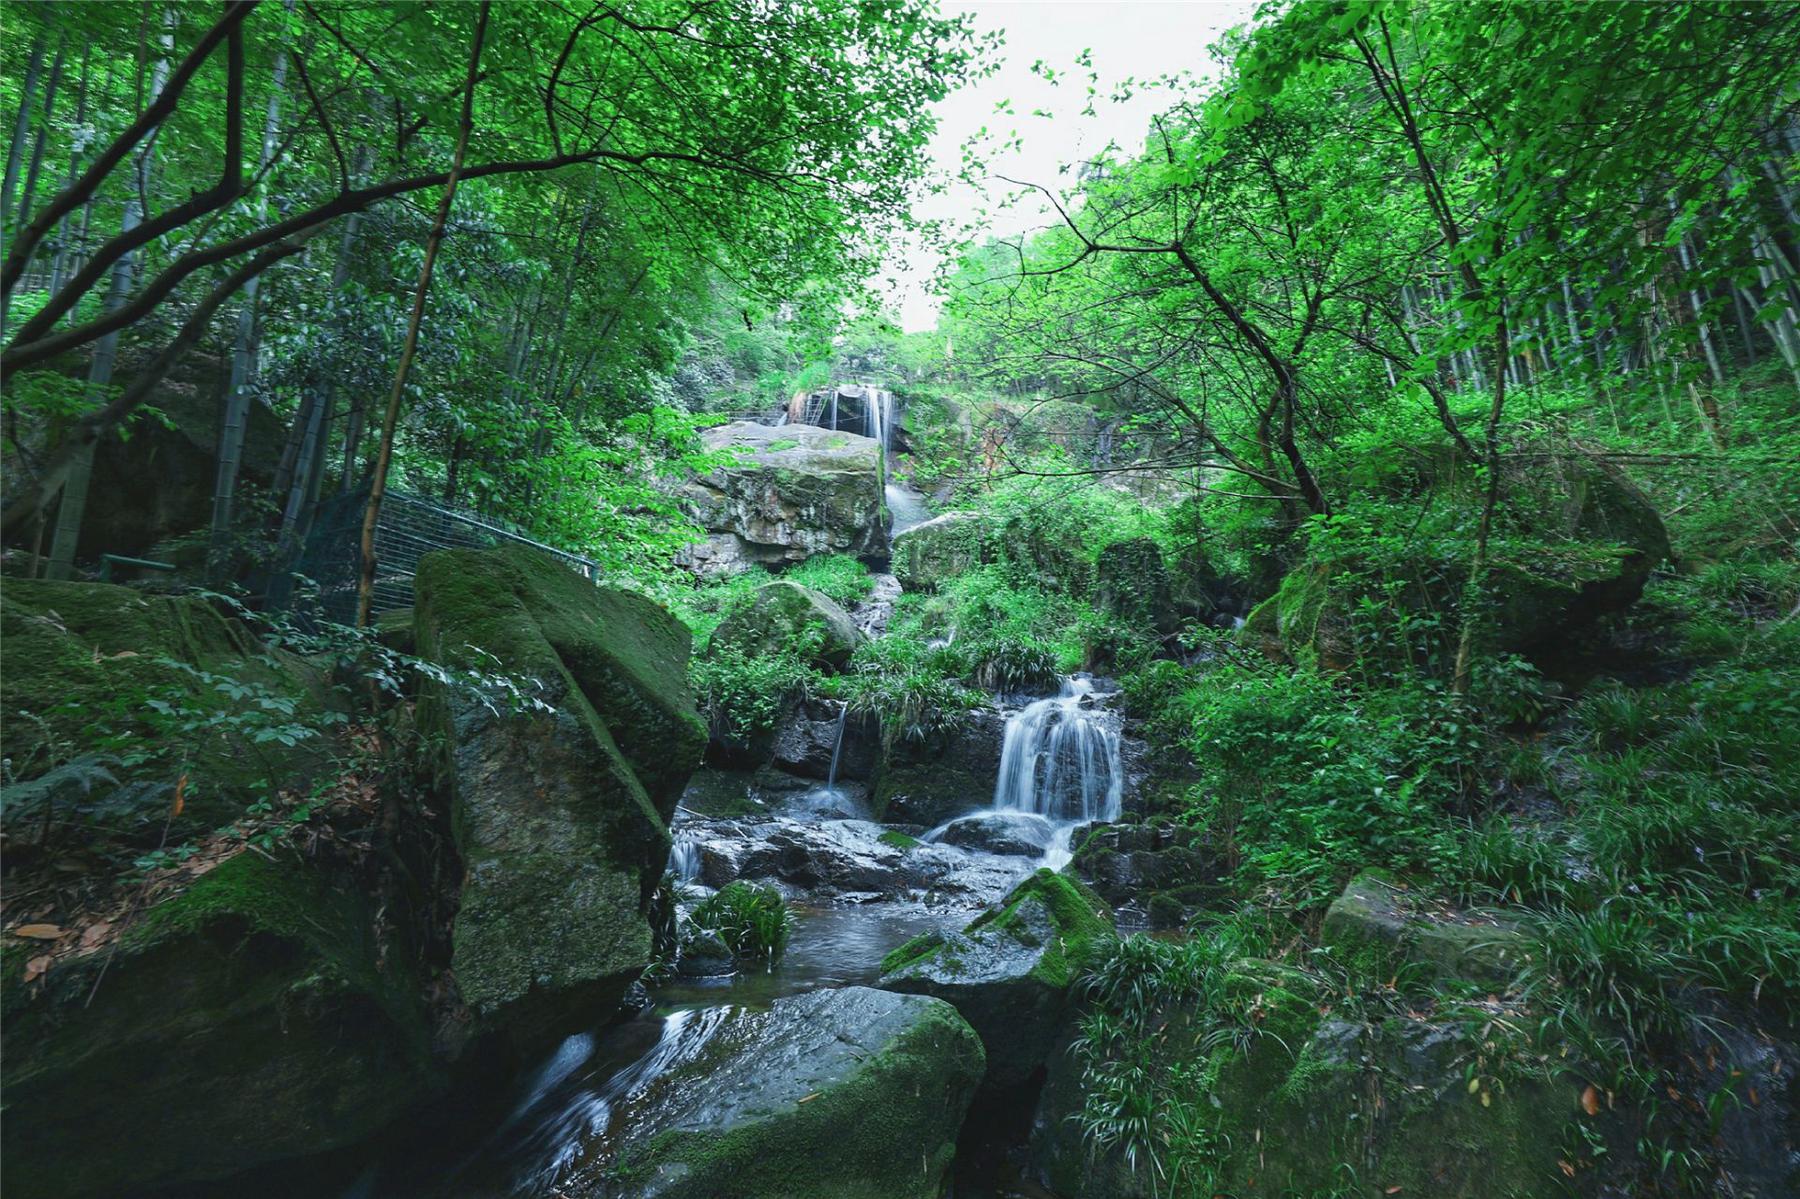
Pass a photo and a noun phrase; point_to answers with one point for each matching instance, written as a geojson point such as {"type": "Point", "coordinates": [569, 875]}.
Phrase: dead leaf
{"type": "Point", "coordinates": [1566, 1167]}
{"type": "Point", "coordinates": [35, 968]}
{"type": "Point", "coordinates": [811, 1097]}
{"type": "Point", "coordinates": [40, 932]}
{"type": "Point", "coordinates": [95, 933]}
{"type": "Point", "coordinates": [1391, 1191]}
{"type": "Point", "coordinates": [180, 797]}
{"type": "Point", "coordinates": [1590, 1101]}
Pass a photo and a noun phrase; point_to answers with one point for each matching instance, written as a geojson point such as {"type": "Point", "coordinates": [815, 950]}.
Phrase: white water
{"type": "Point", "coordinates": [1060, 759]}
{"type": "Point", "coordinates": [684, 858]}
{"type": "Point", "coordinates": [562, 1113]}
{"type": "Point", "coordinates": [906, 507]}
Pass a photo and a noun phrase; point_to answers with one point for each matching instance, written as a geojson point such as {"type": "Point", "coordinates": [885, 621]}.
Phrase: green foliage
{"type": "Point", "coordinates": [752, 920]}
{"type": "Point", "coordinates": [743, 695]}
{"type": "Point", "coordinates": [839, 577]}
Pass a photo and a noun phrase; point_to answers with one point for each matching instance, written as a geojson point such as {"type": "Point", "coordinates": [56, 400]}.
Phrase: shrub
{"type": "Point", "coordinates": [752, 920]}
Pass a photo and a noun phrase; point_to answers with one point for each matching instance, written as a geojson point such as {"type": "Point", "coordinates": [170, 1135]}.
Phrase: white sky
{"type": "Point", "coordinates": [1137, 39]}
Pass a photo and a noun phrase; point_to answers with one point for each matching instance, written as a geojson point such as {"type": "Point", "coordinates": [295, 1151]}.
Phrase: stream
{"type": "Point", "coordinates": [857, 889]}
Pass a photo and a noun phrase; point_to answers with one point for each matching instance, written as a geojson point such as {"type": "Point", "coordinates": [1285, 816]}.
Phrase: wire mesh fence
{"type": "Point", "coordinates": [409, 528]}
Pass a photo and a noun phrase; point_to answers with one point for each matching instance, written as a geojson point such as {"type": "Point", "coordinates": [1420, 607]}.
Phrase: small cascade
{"type": "Point", "coordinates": [684, 859]}
{"type": "Point", "coordinates": [575, 1097]}
{"type": "Point", "coordinates": [837, 748]}
{"type": "Point", "coordinates": [1060, 759]}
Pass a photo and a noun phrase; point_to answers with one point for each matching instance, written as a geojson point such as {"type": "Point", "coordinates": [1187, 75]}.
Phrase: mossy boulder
{"type": "Point", "coordinates": [1574, 541]}
{"type": "Point", "coordinates": [251, 1018]}
{"type": "Point", "coordinates": [786, 618]}
{"type": "Point", "coordinates": [564, 764]}
{"type": "Point", "coordinates": [1132, 583]}
{"type": "Point", "coordinates": [941, 776]}
{"type": "Point", "coordinates": [87, 660]}
{"type": "Point", "coordinates": [1390, 1105]}
{"type": "Point", "coordinates": [942, 548]}
{"type": "Point", "coordinates": [793, 491]}
{"type": "Point", "coordinates": [851, 1093]}
{"type": "Point", "coordinates": [1011, 971]}
{"type": "Point", "coordinates": [1376, 918]}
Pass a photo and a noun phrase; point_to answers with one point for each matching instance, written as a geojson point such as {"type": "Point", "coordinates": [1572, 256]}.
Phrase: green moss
{"type": "Point", "coordinates": [899, 840]}
{"type": "Point", "coordinates": [919, 947]}
{"type": "Point", "coordinates": [1081, 918]}
{"type": "Point", "coordinates": [85, 662]}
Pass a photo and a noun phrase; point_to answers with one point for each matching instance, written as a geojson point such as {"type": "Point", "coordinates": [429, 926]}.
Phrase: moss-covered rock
{"type": "Point", "coordinates": [561, 800]}
{"type": "Point", "coordinates": [1375, 917]}
{"type": "Point", "coordinates": [942, 776]}
{"type": "Point", "coordinates": [786, 618]}
{"type": "Point", "coordinates": [795, 491]}
{"type": "Point", "coordinates": [251, 1018]}
{"type": "Point", "coordinates": [850, 1093]}
{"type": "Point", "coordinates": [1011, 971]}
{"type": "Point", "coordinates": [84, 661]}
{"type": "Point", "coordinates": [1574, 542]}
{"type": "Point", "coordinates": [942, 548]}
{"type": "Point", "coordinates": [1390, 1106]}
{"type": "Point", "coordinates": [1132, 583]}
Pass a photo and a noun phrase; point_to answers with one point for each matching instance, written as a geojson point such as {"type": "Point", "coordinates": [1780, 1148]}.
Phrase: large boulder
{"type": "Point", "coordinates": [1132, 583]}
{"type": "Point", "coordinates": [850, 1093]}
{"type": "Point", "coordinates": [1575, 542]}
{"type": "Point", "coordinates": [564, 760]}
{"type": "Point", "coordinates": [941, 776]}
{"type": "Point", "coordinates": [795, 491]}
{"type": "Point", "coordinates": [1302, 1101]}
{"type": "Point", "coordinates": [1137, 862]}
{"type": "Point", "coordinates": [942, 548]}
{"type": "Point", "coordinates": [1011, 973]}
{"type": "Point", "coordinates": [783, 617]}
{"type": "Point", "coordinates": [815, 736]}
{"type": "Point", "coordinates": [1386, 923]}
{"type": "Point", "coordinates": [159, 480]}
{"type": "Point", "coordinates": [253, 1017]}
{"type": "Point", "coordinates": [89, 663]}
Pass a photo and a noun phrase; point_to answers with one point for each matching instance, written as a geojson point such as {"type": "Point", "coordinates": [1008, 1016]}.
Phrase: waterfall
{"type": "Point", "coordinates": [837, 749]}
{"type": "Point", "coordinates": [1060, 759]}
{"type": "Point", "coordinates": [684, 859]}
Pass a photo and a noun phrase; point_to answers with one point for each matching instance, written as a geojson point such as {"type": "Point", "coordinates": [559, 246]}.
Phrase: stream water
{"type": "Point", "coordinates": [860, 892]}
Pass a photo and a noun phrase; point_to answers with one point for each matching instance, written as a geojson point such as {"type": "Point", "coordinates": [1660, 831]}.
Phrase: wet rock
{"type": "Point", "coordinates": [1010, 972]}
{"type": "Point", "coordinates": [1126, 861]}
{"type": "Point", "coordinates": [807, 740]}
{"type": "Point", "coordinates": [796, 491]}
{"type": "Point", "coordinates": [783, 617]}
{"type": "Point", "coordinates": [704, 954]}
{"type": "Point", "coordinates": [826, 859]}
{"type": "Point", "coordinates": [943, 776]}
{"type": "Point", "coordinates": [1001, 833]}
{"type": "Point", "coordinates": [851, 1092]}
{"type": "Point", "coordinates": [560, 806]}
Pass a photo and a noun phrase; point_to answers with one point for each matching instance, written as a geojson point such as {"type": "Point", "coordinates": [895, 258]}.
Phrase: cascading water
{"type": "Point", "coordinates": [1060, 759]}
{"type": "Point", "coordinates": [684, 858]}
{"type": "Point", "coordinates": [837, 748]}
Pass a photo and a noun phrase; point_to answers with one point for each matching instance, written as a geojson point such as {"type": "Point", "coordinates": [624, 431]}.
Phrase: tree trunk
{"type": "Point", "coordinates": [365, 592]}
{"type": "Point", "coordinates": [73, 507]}
{"type": "Point", "coordinates": [229, 454]}
{"type": "Point", "coordinates": [43, 135]}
